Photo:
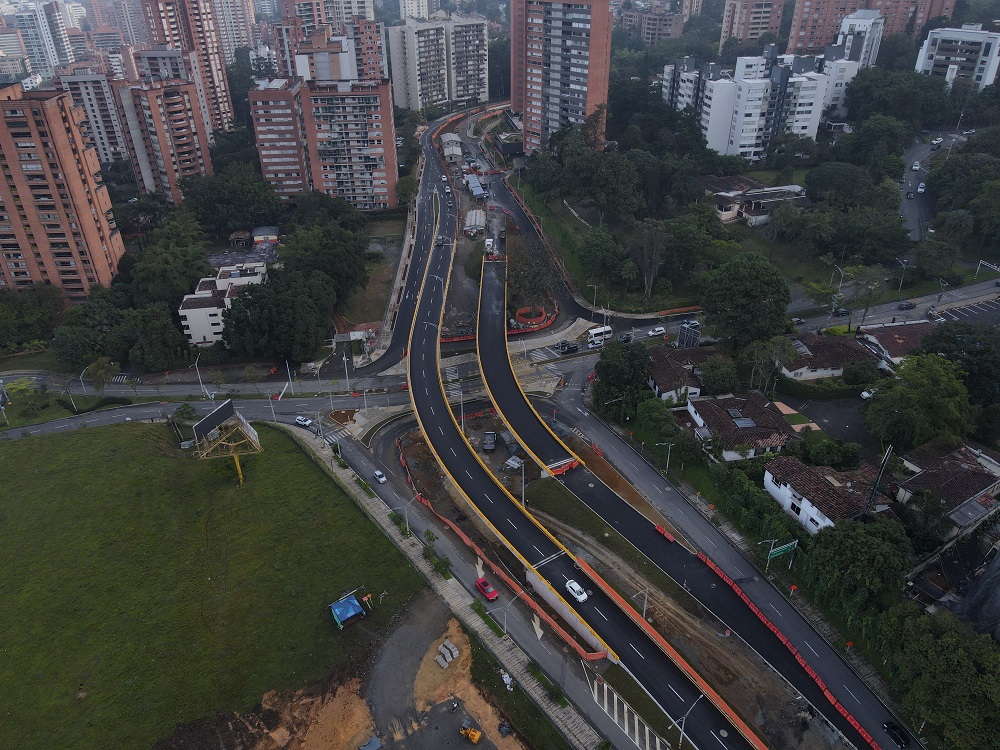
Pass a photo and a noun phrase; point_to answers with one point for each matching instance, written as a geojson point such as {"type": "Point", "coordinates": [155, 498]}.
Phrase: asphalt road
{"type": "Point", "coordinates": [675, 693]}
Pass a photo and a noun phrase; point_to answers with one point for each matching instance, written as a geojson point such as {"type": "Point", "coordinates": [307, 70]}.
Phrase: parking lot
{"type": "Point", "coordinates": [986, 312]}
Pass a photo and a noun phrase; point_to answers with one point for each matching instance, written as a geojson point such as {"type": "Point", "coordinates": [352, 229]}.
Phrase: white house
{"type": "Point", "coordinates": [739, 426]}
{"type": "Point", "coordinates": [819, 356]}
{"type": "Point", "coordinates": [670, 379]}
{"type": "Point", "coordinates": [815, 496]}
{"type": "Point", "coordinates": [201, 312]}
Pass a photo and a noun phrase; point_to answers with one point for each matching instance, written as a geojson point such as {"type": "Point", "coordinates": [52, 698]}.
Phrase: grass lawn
{"type": "Point", "coordinates": [367, 305]}
{"type": "Point", "coordinates": [797, 418]}
{"type": "Point", "coordinates": [143, 588]}
{"type": "Point", "coordinates": [44, 360]}
{"type": "Point", "coordinates": [474, 262]}
{"type": "Point", "coordinates": [386, 227]}
{"type": "Point", "coordinates": [35, 408]}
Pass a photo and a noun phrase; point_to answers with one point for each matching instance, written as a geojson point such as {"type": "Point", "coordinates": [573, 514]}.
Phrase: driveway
{"type": "Point", "coordinates": [842, 419]}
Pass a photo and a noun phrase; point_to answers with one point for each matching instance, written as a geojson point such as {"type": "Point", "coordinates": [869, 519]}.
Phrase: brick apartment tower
{"type": "Point", "coordinates": [749, 19]}
{"type": "Point", "coordinates": [190, 25]}
{"type": "Point", "coordinates": [560, 55]}
{"type": "Point", "coordinates": [56, 225]}
{"type": "Point", "coordinates": [167, 138]}
{"type": "Point", "coordinates": [815, 23]}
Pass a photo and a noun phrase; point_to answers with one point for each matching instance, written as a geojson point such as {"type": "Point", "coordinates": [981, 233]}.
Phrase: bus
{"type": "Point", "coordinates": [599, 334]}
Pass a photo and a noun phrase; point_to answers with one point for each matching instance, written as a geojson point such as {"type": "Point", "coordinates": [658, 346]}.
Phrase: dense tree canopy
{"type": "Point", "coordinates": [336, 252]}
{"type": "Point", "coordinates": [28, 314]}
{"type": "Point", "coordinates": [926, 401]}
{"type": "Point", "coordinates": [975, 349]}
{"type": "Point", "coordinates": [747, 300]}
{"type": "Point", "coordinates": [235, 198]}
{"type": "Point", "coordinates": [621, 379]}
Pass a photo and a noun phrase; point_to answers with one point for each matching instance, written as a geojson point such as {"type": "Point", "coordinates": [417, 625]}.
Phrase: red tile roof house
{"type": "Point", "coordinates": [739, 426]}
{"type": "Point", "coordinates": [893, 341]}
{"type": "Point", "coordinates": [672, 377]}
{"type": "Point", "coordinates": [818, 496]}
{"type": "Point", "coordinates": [965, 479]}
{"type": "Point", "coordinates": [820, 356]}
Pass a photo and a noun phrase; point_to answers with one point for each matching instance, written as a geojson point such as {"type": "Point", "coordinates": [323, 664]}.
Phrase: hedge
{"type": "Point", "coordinates": [106, 401]}
{"type": "Point", "coordinates": [822, 390]}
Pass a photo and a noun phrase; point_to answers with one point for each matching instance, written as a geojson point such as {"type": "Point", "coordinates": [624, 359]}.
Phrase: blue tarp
{"type": "Point", "coordinates": [345, 609]}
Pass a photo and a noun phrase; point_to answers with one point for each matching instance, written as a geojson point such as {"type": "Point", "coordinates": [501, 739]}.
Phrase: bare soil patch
{"type": "Point", "coordinates": [338, 720]}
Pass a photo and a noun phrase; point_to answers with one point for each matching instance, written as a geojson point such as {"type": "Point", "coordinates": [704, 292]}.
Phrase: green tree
{"type": "Point", "coordinates": [100, 371]}
{"type": "Point", "coordinates": [857, 568]}
{"type": "Point", "coordinates": [975, 349]}
{"type": "Point", "coordinates": [927, 400]}
{"type": "Point", "coordinates": [318, 209]}
{"type": "Point", "coordinates": [718, 375]}
{"type": "Point", "coordinates": [146, 338]}
{"type": "Point", "coordinates": [332, 250]}
{"type": "Point", "coordinates": [746, 299]}
{"type": "Point", "coordinates": [236, 198]}
{"type": "Point", "coordinates": [28, 314]}
{"type": "Point", "coordinates": [838, 183]}
{"type": "Point", "coordinates": [406, 189]}
{"type": "Point", "coordinates": [621, 380]}
{"type": "Point", "coordinates": [528, 274]}
{"type": "Point", "coordinates": [649, 251]}
{"type": "Point", "coordinates": [599, 252]}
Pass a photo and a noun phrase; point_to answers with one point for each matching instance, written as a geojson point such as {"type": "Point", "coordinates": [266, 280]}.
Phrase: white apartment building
{"type": "Point", "coordinates": [342, 11]}
{"type": "Point", "coordinates": [91, 90]}
{"type": "Point", "coordinates": [414, 9]}
{"type": "Point", "coordinates": [201, 312]}
{"type": "Point", "coordinates": [742, 111]}
{"type": "Point", "coordinates": [43, 32]}
{"type": "Point", "coordinates": [439, 62]}
{"type": "Point", "coordinates": [968, 52]}
{"type": "Point", "coordinates": [861, 36]}
{"type": "Point", "coordinates": [234, 22]}
{"type": "Point", "coordinates": [840, 73]}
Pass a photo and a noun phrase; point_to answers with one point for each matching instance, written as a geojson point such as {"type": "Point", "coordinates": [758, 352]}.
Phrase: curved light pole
{"type": "Point", "coordinates": [406, 513]}
{"type": "Point", "coordinates": [504, 610]}
{"type": "Point", "coordinates": [669, 448]}
{"type": "Point", "coordinates": [771, 542]}
{"type": "Point", "coordinates": [593, 312]}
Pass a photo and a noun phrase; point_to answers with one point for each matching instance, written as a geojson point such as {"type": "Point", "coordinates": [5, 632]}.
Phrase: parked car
{"type": "Point", "coordinates": [568, 346]}
{"type": "Point", "coordinates": [379, 477]}
{"type": "Point", "coordinates": [867, 394]}
{"type": "Point", "coordinates": [487, 590]}
{"type": "Point", "coordinates": [907, 305]}
{"type": "Point", "coordinates": [444, 178]}
{"type": "Point", "coordinates": [909, 195]}
{"type": "Point", "coordinates": [797, 321]}
{"type": "Point", "coordinates": [595, 344]}
{"type": "Point", "coordinates": [897, 734]}
{"type": "Point", "coordinates": [841, 312]}
{"type": "Point", "coordinates": [916, 166]}
{"type": "Point", "coordinates": [937, 141]}
{"type": "Point", "coordinates": [936, 147]}
{"type": "Point", "coordinates": [576, 590]}
{"type": "Point", "coordinates": [922, 187]}
{"type": "Point", "coordinates": [303, 422]}
{"type": "Point", "coordinates": [969, 132]}
{"type": "Point", "coordinates": [654, 332]}
{"type": "Point", "coordinates": [692, 323]}
{"type": "Point", "coordinates": [625, 338]}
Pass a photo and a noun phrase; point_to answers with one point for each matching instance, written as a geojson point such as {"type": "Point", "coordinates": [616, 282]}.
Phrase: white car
{"type": "Point", "coordinates": [692, 323]}
{"type": "Point", "coordinates": [916, 166]}
{"type": "Point", "coordinates": [922, 187]}
{"type": "Point", "coordinates": [937, 141]}
{"type": "Point", "coordinates": [869, 393]}
{"type": "Point", "coordinates": [576, 590]}
{"type": "Point", "coordinates": [595, 344]}
{"type": "Point", "coordinates": [379, 477]}
{"type": "Point", "coordinates": [658, 331]}
{"type": "Point", "coordinates": [444, 178]}
{"type": "Point", "coordinates": [303, 422]}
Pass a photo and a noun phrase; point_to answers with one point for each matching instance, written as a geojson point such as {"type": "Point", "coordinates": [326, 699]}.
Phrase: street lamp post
{"type": "Point", "coordinates": [902, 273]}
{"type": "Point", "coordinates": [197, 371]}
{"type": "Point", "coordinates": [406, 513]}
{"type": "Point", "coordinates": [523, 504]}
{"type": "Point", "coordinates": [347, 375]}
{"type": "Point", "coordinates": [645, 600]}
{"type": "Point", "coordinates": [669, 448]}
{"type": "Point", "coordinates": [504, 610]}
{"type": "Point", "coordinates": [680, 742]}
{"type": "Point", "coordinates": [593, 312]}
{"type": "Point", "coordinates": [81, 379]}
{"type": "Point", "coordinates": [771, 542]}
{"type": "Point", "coordinates": [837, 268]}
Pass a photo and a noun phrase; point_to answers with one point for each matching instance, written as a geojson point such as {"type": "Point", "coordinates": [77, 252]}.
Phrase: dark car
{"type": "Point", "coordinates": [910, 196]}
{"type": "Point", "coordinates": [487, 590]}
{"type": "Point", "coordinates": [841, 312]}
{"type": "Point", "coordinates": [897, 734]}
{"type": "Point", "coordinates": [907, 305]}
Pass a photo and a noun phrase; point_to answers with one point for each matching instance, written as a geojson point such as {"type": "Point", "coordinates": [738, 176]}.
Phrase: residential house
{"type": "Point", "coordinates": [817, 496]}
{"type": "Point", "coordinates": [819, 356]}
{"type": "Point", "coordinates": [201, 312]}
{"type": "Point", "coordinates": [671, 379]}
{"type": "Point", "coordinates": [754, 207]}
{"type": "Point", "coordinates": [965, 480]}
{"type": "Point", "coordinates": [893, 341]}
{"type": "Point", "coordinates": [739, 426]}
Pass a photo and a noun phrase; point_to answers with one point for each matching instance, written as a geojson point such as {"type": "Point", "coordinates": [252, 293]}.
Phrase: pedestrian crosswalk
{"type": "Point", "coordinates": [542, 357]}
{"type": "Point", "coordinates": [123, 377]}
{"type": "Point", "coordinates": [452, 384]}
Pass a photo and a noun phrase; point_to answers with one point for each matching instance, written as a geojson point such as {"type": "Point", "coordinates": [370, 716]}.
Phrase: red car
{"type": "Point", "coordinates": [506, 212]}
{"type": "Point", "coordinates": [487, 590]}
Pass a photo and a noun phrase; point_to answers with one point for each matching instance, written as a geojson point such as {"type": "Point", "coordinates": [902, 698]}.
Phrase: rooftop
{"type": "Point", "coordinates": [667, 372]}
{"type": "Point", "coordinates": [734, 183]}
{"type": "Point", "coordinates": [821, 352]}
{"type": "Point", "coordinates": [898, 339]}
{"type": "Point", "coordinates": [744, 420]}
{"type": "Point", "coordinates": [838, 494]}
{"type": "Point", "coordinates": [192, 302]}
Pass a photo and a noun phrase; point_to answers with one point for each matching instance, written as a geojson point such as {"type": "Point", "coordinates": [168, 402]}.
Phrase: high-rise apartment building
{"type": "Point", "coordinates": [234, 20]}
{"type": "Point", "coordinates": [815, 22]}
{"type": "Point", "coordinates": [164, 64]}
{"type": "Point", "coordinates": [166, 134]}
{"type": "Point", "coordinates": [56, 224]}
{"type": "Point", "coordinates": [10, 42]}
{"type": "Point", "coordinates": [336, 137]}
{"type": "Point", "coordinates": [311, 14]}
{"type": "Point", "coordinates": [43, 32]}
{"type": "Point", "coordinates": [130, 18]}
{"type": "Point", "coordinates": [968, 53]}
{"type": "Point", "coordinates": [91, 90]}
{"type": "Point", "coordinates": [749, 19]}
{"type": "Point", "coordinates": [439, 62]}
{"type": "Point", "coordinates": [276, 110]}
{"type": "Point", "coordinates": [369, 44]}
{"type": "Point", "coordinates": [560, 56]}
{"type": "Point", "coordinates": [414, 9]}
{"type": "Point", "coordinates": [342, 11]}
{"type": "Point", "coordinates": [742, 111]}
{"type": "Point", "coordinates": [652, 27]}
{"type": "Point", "coordinates": [191, 25]}
{"type": "Point", "coordinates": [860, 37]}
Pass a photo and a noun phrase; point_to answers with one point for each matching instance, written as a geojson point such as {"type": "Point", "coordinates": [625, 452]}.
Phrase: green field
{"type": "Point", "coordinates": [143, 588]}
